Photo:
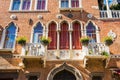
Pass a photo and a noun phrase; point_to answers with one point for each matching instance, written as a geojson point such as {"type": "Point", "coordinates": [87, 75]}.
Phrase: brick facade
{"type": "Point", "coordinates": [24, 28]}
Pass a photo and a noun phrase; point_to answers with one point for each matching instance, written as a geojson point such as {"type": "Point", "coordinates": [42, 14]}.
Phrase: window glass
{"type": "Point", "coordinates": [10, 36]}
{"type": "Point", "coordinates": [41, 4]}
{"type": "Point", "coordinates": [91, 32]}
{"type": "Point", "coordinates": [32, 78]}
{"type": "Point", "coordinates": [26, 4]}
{"type": "Point", "coordinates": [74, 3]}
{"type": "Point", "coordinates": [16, 5]}
{"type": "Point", "coordinates": [96, 78]}
{"type": "Point", "coordinates": [38, 32]}
{"type": "Point", "coordinates": [64, 3]}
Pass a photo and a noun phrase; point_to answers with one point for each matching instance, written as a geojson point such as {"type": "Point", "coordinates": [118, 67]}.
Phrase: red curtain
{"type": "Point", "coordinates": [76, 34]}
{"type": "Point", "coordinates": [64, 36]}
{"type": "Point", "coordinates": [53, 35]}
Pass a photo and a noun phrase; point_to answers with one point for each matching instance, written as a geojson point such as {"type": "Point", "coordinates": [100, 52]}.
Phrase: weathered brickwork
{"type": "Point", "coordinates": [24, 28]}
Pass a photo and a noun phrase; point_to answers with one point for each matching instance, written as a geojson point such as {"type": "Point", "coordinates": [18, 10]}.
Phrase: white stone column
{"type": "Point", "coordinates": [3, 39]}
{"type": "Point", "coordinates": [108, 10]}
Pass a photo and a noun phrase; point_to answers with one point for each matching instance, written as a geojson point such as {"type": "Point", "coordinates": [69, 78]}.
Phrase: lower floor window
{"type": "Point", "coordinates": [96, 78]}
{"type": "Point", "coordinates": [33, 78]}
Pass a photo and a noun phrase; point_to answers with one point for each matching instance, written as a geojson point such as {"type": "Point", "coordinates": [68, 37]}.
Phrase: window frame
{"type": "Point", "coordinates": [70, 5]}
{"type": "Point", "coordinates": [21, 5]}
{"type": "Point", "coordinates": [46, 5]}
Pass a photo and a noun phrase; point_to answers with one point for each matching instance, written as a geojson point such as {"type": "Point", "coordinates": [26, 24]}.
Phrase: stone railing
{"type": "Point", "coordinates": [97, 49]}
{"type": "Point", "coordinates": [104, 14]}
{"type": "Point", "coordinates": [33, 49]}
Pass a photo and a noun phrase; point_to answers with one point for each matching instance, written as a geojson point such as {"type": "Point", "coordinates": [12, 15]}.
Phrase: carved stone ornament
{"type": "Point", "coordinates": [112, 34]}
{"type": "Point", "coordinates": [14, 17]}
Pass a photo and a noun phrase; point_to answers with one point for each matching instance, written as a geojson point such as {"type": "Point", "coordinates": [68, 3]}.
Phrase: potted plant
{"type": "Point", "coordinates": [21, 41]}
{"type": "Point", "coordinates": [84, 41]}
{"type": "Point", "coordinates": [45, 40]}
{"type": "Point", "coordinates": [108, 40]}
{"type": "Point", "coordinates": [105, 53]}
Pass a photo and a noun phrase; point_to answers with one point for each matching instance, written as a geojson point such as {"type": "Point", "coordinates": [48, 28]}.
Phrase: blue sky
{"type": "Point", "coordinates": [108, 1]}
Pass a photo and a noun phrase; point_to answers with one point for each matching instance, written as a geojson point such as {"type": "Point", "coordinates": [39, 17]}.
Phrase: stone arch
{"type": "Point", "coordinates": [67, 67]}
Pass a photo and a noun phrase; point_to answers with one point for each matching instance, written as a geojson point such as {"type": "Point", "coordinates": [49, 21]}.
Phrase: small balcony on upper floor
{"type": "Point", "coordinates": [109, 9]}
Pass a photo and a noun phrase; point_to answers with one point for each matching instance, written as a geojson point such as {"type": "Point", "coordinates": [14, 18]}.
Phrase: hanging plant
{"type": "Point", "coordinates": [84, 41]}
{"type": "Point", "coordinates": [108, 40]}
{"type": "Point", "coordinates": [45, 41]}
{"type": "Point", "coordinates": [105, 53]}
{"type": "Point", "coordinates": [21, 41]}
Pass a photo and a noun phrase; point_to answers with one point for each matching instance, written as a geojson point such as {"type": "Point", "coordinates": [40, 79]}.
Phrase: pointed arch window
{"type": "Point", "coordinates": [76, 34]}
{"type": "Point", "coordinates": [91, 32]}
{"type": "Point", "coordinates": [53, 35]}
{"type": "Point", "coordinates": [64, 36]}
{"type": "Point", "coordinates": [10, 36]}
{"type": "Point", "coordinates": [37, 33]}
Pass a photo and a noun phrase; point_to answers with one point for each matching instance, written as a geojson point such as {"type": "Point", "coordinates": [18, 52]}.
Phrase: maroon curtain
{"type": "Point", "coordinates": [76, 34]}
{"type": "Point", "coordinates": [64, 36]}
{"type": "Point", "coordinates": [53, 35]}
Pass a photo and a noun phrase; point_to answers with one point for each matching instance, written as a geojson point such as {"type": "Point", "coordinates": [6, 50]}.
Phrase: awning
{"type": "Point", "coordinates": [6, 66]}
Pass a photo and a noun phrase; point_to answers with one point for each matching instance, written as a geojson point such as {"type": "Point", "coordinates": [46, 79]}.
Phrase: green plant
{"type": "Point", "coordinates": [108, 40]}
{"type": "Point", "coordinates": [45, 41]}
{"type": "Point", "coordinates": [84, 40]}
{"type": "Point", "coordinates": [105, 53]}
{"type": "Point", "coordinates": [21, 40]}
{"type": "Point", "coordinates": [115, 7]}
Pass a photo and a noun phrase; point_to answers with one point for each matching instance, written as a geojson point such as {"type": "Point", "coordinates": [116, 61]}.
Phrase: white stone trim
{"type": "Point", "coordinates": [67, 67]}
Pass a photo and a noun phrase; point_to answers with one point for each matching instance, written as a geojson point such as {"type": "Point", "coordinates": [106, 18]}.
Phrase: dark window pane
{"type": "Point", "coordinates": [96, 78]}
{"type": "Point", "coordinates": [32, 78]}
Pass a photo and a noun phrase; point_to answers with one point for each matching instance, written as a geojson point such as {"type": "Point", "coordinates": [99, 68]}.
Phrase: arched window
{"type": "Point", "coordinates": [10, 36]}
{"type": "Point", "coordinates": [37, 33]}
{"type": "Point", "coordinates": [91, 32]}
{"type": "Point", "coordinates": [64, 36]}
{"type": "Point", "coordinates": [76, 34]}
{"type": "Point", "coordinates": [64, 75]}
{"type": "Point", "coordinates": [53, 35]}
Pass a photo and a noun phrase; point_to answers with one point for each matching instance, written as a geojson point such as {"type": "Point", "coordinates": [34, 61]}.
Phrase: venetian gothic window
{"type": "Point", "coordinates": [37, 33]}
{"type": "Point", "coordinates": [52, 33]}
{"type": "Point", "coordinates": [91, 32]}
{"type": "Point", "coordinates": [76, 34]}
{"type": "Point", "coordinates": [10, 36]}
{"type": "Point", "coordinates": [64, 35]}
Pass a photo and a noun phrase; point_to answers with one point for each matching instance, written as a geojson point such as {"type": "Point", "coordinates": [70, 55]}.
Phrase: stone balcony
{"type": "Point", "coordinates": [113, 14]}
{"type": "Point", "coordinates": [37, 50]}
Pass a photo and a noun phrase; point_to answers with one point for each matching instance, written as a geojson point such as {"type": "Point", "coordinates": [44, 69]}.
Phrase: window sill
{"type": "Point", "coordinates": [70, 9]}
{"type": "Point", "coordinates": [23, 11]}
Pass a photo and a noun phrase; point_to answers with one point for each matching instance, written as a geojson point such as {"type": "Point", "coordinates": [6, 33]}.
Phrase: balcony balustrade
{"type": "Point", "coordinates": [37, 50]}
{"type": "Point", "coordinates": [115, 14]}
